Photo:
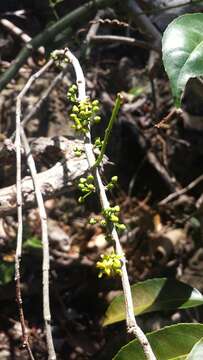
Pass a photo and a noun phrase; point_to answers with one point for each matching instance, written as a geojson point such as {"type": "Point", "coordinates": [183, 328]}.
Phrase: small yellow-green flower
{"type": "Point", "coordinates": [109, 265]}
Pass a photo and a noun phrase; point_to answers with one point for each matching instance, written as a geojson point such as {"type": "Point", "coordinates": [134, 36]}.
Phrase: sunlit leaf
{"type": "Point", "coordinates": [170, 343]}
{"type": "Point", "coordinates": [154, 295]}
{"type": "Point", "coordinates": [197, 351]}
{"type": "Point", "coordinates": [182, 48]}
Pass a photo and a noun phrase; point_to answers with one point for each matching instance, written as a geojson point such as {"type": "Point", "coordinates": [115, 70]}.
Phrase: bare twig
{"type": "Point", "coordinates": [94, 26]}
{"type": "Point", "coordinates": [183, 191]}
{"type": "Point", "coordinates": [17, 31]}
{"type": "Point", "coordinates": [124, 40]}
{"type": "Point", "coordinates": [20, 220]}
{"type": "Point", "coordinates": [130, 318]}
{"type": "Point", "coordinates": [43, 98]}
{"type": "Point", "coordinates": [92, 31]}
{"type": "Point", "coordinates": [169, 180]}
{"type": "Point", "coordinates": [151, 157]}
{"type": "Point", "coordinates": [20, 226]}
{"type": "Point", "coordinates": [144, 23]}
{"type": "Point", "coordinates": [45, 242]}
{"type": "Point", "coordinates": [171, 115]}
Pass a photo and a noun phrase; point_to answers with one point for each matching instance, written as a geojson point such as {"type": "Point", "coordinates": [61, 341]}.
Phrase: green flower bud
{"type": "Point", "coordinates": [97, 119]}
{"type": "Point", "coordinates": [78, 153]}
{"type": "Point", "coordinates": [114, 179]}
{"type": "Point", "coordinates": [121, 227]}
{"type": "Point", "coordinates": [90, 177]}
{"type": "Point", "coordinates": [95, 109]}
{"type": "Point", "coordinates": [97, 142]}
{"type": "Point", "coordinates": [82, 180]}
{"type": "Point", "coordinates": [88, 113]}
{"type": "Point", "coordinates": [85, 189]}
{"type": "Point", "coordinates": [75, 109]}
{"type": "Point", "coordinates": [81, 200]}
{"type": "Point", "coordinates": [72, 98]}
{"type": "Point", "coordinates": [95, 102]}
{"type": "Point", "coordinates": [110, 186]}
{"type": "Point", "coordinates": [114, 218]}
{"type": "Point", "coordinates": [92, 221]}
{"type": "Point", "coordinates": [103, 222]}
{"type": "Point", "coordinates": [91, 187]}
{"type": "Point", "coordinates": [81, 186]}
{"type": "Point", "coordinates": [82, 113]}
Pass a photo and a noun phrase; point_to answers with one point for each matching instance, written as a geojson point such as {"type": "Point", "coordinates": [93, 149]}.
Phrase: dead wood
{"type": "Point", "coordinates": [53, 181]}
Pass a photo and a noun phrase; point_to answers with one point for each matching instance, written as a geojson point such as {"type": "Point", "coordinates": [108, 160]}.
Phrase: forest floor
{"type": "Point", "coordinates": [164, 235]}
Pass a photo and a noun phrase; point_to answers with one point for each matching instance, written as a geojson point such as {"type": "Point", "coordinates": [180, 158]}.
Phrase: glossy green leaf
{"type": "Point", "coordinates": [170, 343]}
{"type": "Point", "coordinates": [197, 351]}
{"type": "Point", "coordinates": [154, 295]}
{"type": "Point", "coordinates": [182, 48]}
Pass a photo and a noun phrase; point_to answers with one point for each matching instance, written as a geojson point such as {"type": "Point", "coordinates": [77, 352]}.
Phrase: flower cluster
{"type": "Point", "coordinates": [113, 182]}
{"type": "Point", "coordinates": [111, 214]}
{"type": "Point", "coordinates": [86, 186]}
{"type": "Point", "coordinates": [59, 58]}
{"type": "Point", "coordinates": [78, 152]}
{"type": "Point", "coordinates": [83, 112]}
{"type": "Point", "coordinates": [109, 265]}
{"type": "Point", "coordinates": [98, 143]}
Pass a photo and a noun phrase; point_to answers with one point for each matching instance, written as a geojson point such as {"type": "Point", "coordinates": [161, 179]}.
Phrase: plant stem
{"type": "Point", "coordinates": [108, 129]}
{"type": "Point", "coordinates": [19, 133]}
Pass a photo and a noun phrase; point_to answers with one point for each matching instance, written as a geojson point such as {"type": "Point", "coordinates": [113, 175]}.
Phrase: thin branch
{"type": "Point", "coordinates": [183, 191]}
{"type": "Point", "coordinates": [124, 40]}
{"type": "Point", "coordinates": [92, 32]}
{"type": "Point", "coordinates": [17, 31]}
{"type": "Point", "coordinates": [20, 226]}
{"type": "Point", "coordinates": [45, 242]}
{"type": "Point", "coordinates": [163, 123]}
{"type": "Point", "coordinates": [43, 98]}
{"type": "Point", "coordinates": [144, 23]}
{"type": "Point", "coordinates": [130, 318]}
{"type": "Point", "coordinates": [94, 26]}
{"type": "Point", "coordinates": [19, 212]}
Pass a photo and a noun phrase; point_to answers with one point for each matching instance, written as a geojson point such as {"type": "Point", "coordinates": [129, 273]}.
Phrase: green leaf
{"type": "Point", "coordinates": [154, 295]}
{"type": "Point", "coordinates": [182, 48]}
{"type": "Point", "coordinates": [170, 343]}
{"type": "Point", "coordinates": [197, 351]}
